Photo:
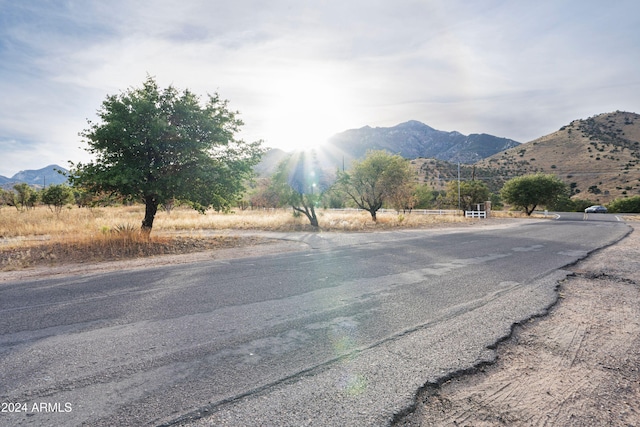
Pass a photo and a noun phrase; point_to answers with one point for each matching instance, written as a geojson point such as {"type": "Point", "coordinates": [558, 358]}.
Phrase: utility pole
{"type": "Point", "coordinates": [459, 186]}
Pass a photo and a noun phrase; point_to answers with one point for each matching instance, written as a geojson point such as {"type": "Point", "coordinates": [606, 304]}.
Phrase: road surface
{"type": "Point", "coordinates": [344, 332]}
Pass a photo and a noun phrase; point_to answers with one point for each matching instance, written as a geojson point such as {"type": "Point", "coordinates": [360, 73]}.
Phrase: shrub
{"type": "Point", "coordinates": [626, 205]}
{"type": "Point", "coordinates": [57, 196]}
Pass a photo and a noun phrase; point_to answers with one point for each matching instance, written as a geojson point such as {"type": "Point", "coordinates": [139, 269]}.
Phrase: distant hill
{"type": "Point", "coordinates": [37, 178]}
{"type": "Point", "coordinates": [598, 157]}
{"type": "Point", "coordinates": [411, 140]}
{"type": "Point", "coordinates": [414, 139]}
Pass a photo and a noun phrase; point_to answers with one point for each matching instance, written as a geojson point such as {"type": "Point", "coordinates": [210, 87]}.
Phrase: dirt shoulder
{"type": "Point", "coordinates": [192, 250]}
{"type": "Point", "coordinates": [578, 366]}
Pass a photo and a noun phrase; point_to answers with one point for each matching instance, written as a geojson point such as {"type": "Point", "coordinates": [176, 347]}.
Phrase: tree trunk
{"type": "Point", "coordinates": [373, 215]}
{"type": "Point", "coordinates": [313, 219]}
{"type": "Point", "coordinates": [530, 211]}
{"type": "Point", "coordinates": [151, 207]}
{"type": "Point", "coordinates": [310, 213]}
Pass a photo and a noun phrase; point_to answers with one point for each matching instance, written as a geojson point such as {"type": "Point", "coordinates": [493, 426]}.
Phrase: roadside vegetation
{"type": "Point", "coordinates": [154, 145]}
{"type": "Point", "coordinates": [39, 236]}
{"type": "Point", "coordinates": [43, 231]}
{"type": "Point", "coordinates": [164, 157]}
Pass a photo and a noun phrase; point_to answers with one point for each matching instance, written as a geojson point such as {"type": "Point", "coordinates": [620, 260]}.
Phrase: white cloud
{"type": "Point", "coordinates": [302, 71]}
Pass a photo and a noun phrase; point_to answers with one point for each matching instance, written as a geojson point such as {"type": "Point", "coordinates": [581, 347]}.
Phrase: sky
{"type": "Point", "coordinates": [301, 71]}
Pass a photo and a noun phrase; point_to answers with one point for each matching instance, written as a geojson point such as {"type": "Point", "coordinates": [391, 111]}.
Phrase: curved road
{"type": "Point", "coordinates": [343, 332]}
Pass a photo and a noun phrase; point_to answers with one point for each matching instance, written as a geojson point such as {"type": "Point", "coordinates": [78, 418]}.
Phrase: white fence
{"type": "Point", "coordinates": [467, 214]}
{"type": "Point", "coordinates": [436, 211]}
{"type": "Point", "coordinates": [475, 214]}
{"type": "Point", "coordinates": [413, 211]}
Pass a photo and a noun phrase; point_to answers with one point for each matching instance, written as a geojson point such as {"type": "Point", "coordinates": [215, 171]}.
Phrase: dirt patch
{"type": "Point", "coordinates": [49, 260]}
{"type": "Point", "coordinates": [578, 366]}
{"type": "Point", "coordinates": [52, 253]}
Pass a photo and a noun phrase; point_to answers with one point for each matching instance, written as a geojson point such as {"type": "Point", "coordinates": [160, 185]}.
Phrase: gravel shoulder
{"type": "Point", "coordinates": [248, 247]}
{"type": "Point", "coordinates": [577, 366]}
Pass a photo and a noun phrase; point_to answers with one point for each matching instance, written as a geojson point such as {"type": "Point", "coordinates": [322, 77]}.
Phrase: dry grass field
{"type": "Point", "coordinates": [38, 236]}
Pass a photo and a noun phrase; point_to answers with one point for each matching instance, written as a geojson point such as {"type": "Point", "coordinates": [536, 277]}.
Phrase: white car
{"type": "Point", "coordinates": [596, 209]}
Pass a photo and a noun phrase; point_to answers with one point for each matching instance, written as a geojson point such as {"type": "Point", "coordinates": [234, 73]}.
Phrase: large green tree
{"type": "Point", "coordinates": [376, 179]}
{"type": "Point", "coordinates": [530, 191]}
{"type": "Point", "coordinates": [156, 145]}
{"type": "Point", "coordinates": [300, 183]}
{"type": "Point", "coordinates": [423, 196]}
{"type": "Point", "coordinates": [467, 193]}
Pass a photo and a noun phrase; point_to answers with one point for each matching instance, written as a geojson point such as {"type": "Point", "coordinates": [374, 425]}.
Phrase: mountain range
{"type": "Point", "coordinates": [411, 140]}
{"type": "Point", "coordinates": [598, 157]}
{"type": "Point", "coordinates": [38, 178]}
{"type": "Point", "coordinates": [414, 139]}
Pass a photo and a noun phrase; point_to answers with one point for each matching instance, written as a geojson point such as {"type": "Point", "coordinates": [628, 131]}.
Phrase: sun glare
{"type": "Point", "coordinates": [306, 109]}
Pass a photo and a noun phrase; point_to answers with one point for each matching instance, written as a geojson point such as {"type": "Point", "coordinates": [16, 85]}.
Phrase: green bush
{"type": "Point", "coordinates": [626, 205]}
{"type": "Point", "coordinates": [57, 196]}
{"type": "Point", "coordinates": [579, 205]}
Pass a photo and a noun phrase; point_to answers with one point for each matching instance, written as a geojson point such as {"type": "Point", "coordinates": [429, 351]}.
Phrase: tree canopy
{"type": "Point", "coordinates": [300, 183]}
{"type": "Point", "coordinates": [471, 193]}
{"type": "Point", "coordinates": [158, 145]}
{"type": "Point", "coordinates": [423, 196]}
{"type": "Point", "coordinates": [530, 191]}
{"type": "Point", "coordinates": [25, 197]}
{"type": "Point", "coordinates": [57, 196]}
{"type": "Point", "coordinates": [376, 179]}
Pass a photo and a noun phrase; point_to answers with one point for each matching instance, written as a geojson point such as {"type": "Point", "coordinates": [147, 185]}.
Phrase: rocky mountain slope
{"type": "Point", "coordinates": [414, 139]}
{"type": "Point", "coordinates": [411, 140]}
{"type": "Point", "coordinates": [598, 157]}
{"type": "Point", "coordinates": [38, 178]}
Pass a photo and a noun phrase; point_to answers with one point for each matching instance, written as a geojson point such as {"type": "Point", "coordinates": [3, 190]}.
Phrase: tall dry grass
{"type": "Point", "coordinates": [74, 223]}
{"type": "Point", "coordinates": [40, 223]}
{"type": "Point", "coordinates": [39, 235]}
{"type": "Point", "coordinates": [114, 232]}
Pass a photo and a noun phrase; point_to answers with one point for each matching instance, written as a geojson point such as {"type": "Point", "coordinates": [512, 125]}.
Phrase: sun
{"type": "Point", "coordinates": [306, 107]}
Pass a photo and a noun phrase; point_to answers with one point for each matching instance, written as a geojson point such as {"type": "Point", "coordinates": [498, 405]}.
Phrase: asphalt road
{"type": "Point", "coordinates": [343, 332]}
